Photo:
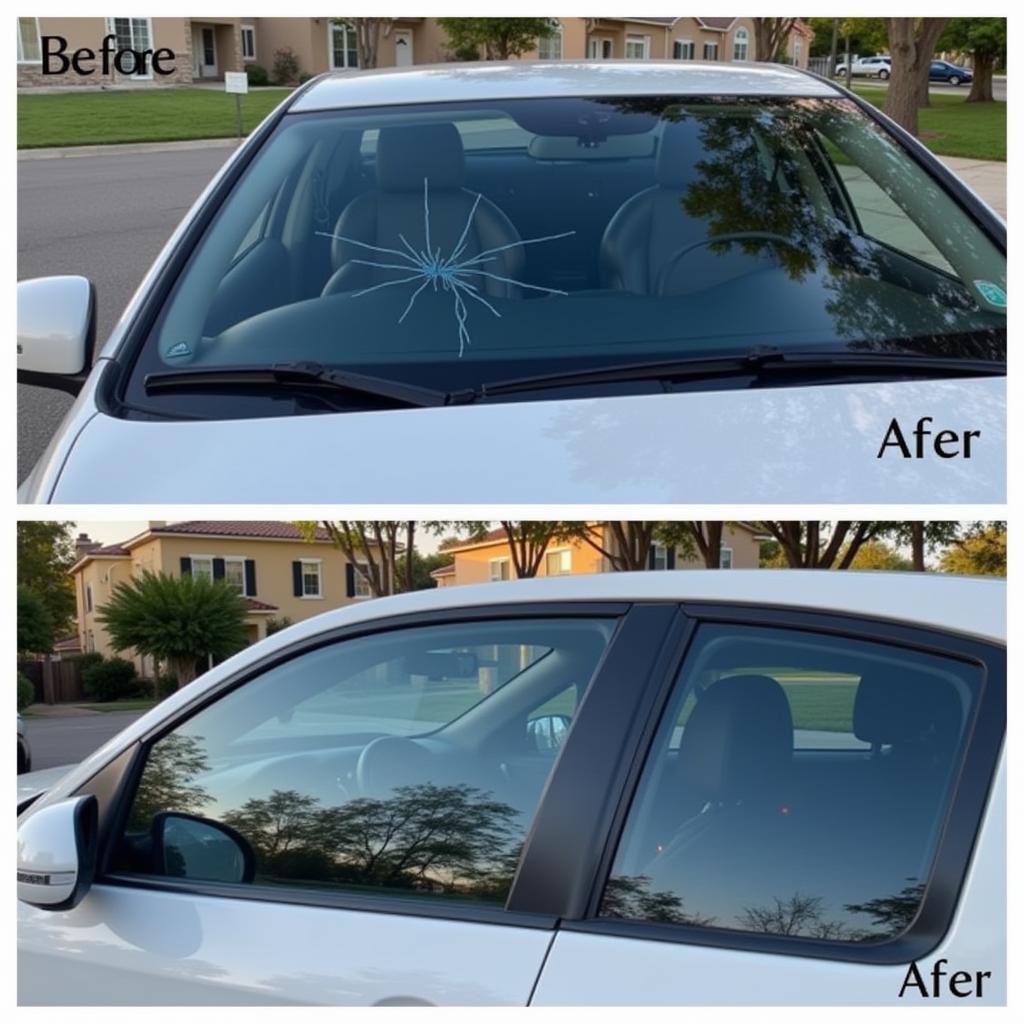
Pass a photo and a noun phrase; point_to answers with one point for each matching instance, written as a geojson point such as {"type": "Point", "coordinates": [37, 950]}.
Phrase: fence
{"type": "Point", "coordinates": [820, 65]}
{"type": "Point", "coordinates": [54, 682]}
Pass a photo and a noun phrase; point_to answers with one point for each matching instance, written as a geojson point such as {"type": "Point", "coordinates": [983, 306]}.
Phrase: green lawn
{"type": "Point", "coordinates": [134, 704]}
{"type": "Point", "coordinates": [951, 127]}
{"type": "Point", "coordinates": [144, 115]}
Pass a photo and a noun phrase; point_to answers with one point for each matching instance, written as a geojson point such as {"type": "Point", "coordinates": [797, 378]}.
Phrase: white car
{"type": "Point", "coordinates": [867, 67]}
{"type": "Point", "coordinates": [641, 281]}
{"type": "Point", "coordinates": [621, 788]}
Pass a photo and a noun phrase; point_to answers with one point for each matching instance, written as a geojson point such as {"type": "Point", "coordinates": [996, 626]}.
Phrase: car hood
{"type": "Point", "coordinates": [794, 444]}
{"type": "Point", "coordinates": [32, 784]}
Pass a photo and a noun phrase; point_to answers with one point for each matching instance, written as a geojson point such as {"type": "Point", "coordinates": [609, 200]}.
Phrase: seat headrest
{"type": "Point", "coordinates": [678, 153]}
{"type": "Point", "coordinates": [738, 741]}
{"type": "Point", "coordinates": [405, 156]}
{"type": "Point", "coordinates": [897, 707]}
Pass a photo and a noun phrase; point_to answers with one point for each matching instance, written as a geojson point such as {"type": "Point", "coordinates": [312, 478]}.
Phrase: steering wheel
{"type": "Point", "coordinates": [388, 762]}
{"type": "Point", "coordinates": [734, 236]}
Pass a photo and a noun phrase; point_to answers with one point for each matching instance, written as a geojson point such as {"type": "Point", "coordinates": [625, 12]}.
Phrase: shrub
{"type": "Point", "coordinates": [86, 660]}
{"type": "Point", "coordinates": [286, 66]}
{"type": "Point", "coordinates": [305, 77]}
{"type": "Point", "coordinates": [165, 684]}
{"type": "Point", "coordinates": [26, 691]}
{"type": "Point", "coordinates": [111, 680]}
{"type": "Point", "coordinates": [275, 624]}
{"type": "Point", "coordinates": [257, 74]}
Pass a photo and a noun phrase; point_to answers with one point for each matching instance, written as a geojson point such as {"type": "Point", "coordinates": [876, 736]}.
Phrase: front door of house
{"type": "Point", "coordinates": [204, 52]}
{"type": "Point", "coordinates": [403, 47]}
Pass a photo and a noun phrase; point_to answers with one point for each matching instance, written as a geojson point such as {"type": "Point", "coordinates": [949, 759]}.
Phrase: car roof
{"type": "Point", "coordinates": [494, 80]}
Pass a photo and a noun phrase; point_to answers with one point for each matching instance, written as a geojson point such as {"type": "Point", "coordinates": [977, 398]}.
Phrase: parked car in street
{"type": "Point", "coordinates": [24, 749]}
{"type": "Point", "coordinates": [618, 788]}
{"type": "Point", "coordinates": [564, 271]}
{"type": "Point", "coordinates": [951, 74]}
{"type": "Point", "coordinates": [867, 67]}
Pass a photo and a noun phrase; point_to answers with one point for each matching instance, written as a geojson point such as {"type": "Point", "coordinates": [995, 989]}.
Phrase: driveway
{"type": "Point", "coordinates": [106, 216]}
{"type": "Point", "coordinates": [68, 739]}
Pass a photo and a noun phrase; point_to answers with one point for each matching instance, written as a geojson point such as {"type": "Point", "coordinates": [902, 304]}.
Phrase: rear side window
{"type": "Point", "coordinates": [798, 787]}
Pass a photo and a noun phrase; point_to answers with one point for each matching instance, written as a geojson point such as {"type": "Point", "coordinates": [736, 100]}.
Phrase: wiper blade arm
{"type": "Point", "coordinates": [305, 374]}
{"type": "Point", "coordinates": [757, 362]}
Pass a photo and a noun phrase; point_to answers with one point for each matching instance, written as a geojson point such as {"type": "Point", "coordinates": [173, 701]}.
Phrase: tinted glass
{"type": "Point", "coordinates": [403, 762]}
{"type": "Point", "coordinates": [455, 245]}
{"type": "Point", "coordinates": [797, 787]}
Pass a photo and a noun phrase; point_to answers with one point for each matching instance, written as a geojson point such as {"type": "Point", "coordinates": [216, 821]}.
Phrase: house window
{"type": "Point", "coordinates": [724, 557]}
{"type": "Point", "coordinates": [248, 42]}
{"type": "Point", "coordinates": [501, 570]}
{"type": "Point", "coordinates": [798, 50]}
{"type": "Point", "coordinates": [638, 47]}
{"type": "Point", "coordinates": [344, 51]}
{"type": "Point", "coordinates": [360, 584]}
{"type": "Point", "coordinates": [600, 49]}
{"type": "Point", "coordinates": [132, 34]}
{"type": "Point", "coordinates": [659, 556]}
{"type": "Point", "coordinates": [740, 44]}
{"type": "Point", "coordinates": [550, 47]}
{"type": "Point", "coordinates": [29, 49]}
{"type": "Point", "coordinates": [682, 49]}
{"type": "Point", "coordinates": [711, 51]}
{"type": "Point", "coordinates": [202, 567]}
{"type": "Point", "coordinates": [558, 563]}
{"type": "Point", "coordinates": [311, 578]}
{"type": "Point", "coordinates": [234, 574]}
{"type": "Point", "coordinates": [88, 597]}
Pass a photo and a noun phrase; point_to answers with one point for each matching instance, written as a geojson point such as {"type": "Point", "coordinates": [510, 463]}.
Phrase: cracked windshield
{"type": "Point", "coordinates": [449, 246]}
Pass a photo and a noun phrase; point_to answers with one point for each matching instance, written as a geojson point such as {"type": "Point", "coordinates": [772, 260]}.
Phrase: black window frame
{"type": "Point", "coordinates": [958, 834]}
{"type": "Point", "coordinates": [640, 627]}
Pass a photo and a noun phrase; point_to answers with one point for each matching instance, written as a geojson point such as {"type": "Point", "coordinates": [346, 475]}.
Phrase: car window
{"type": "Point", "coordinates": [454, 245]}
{"type": "Point", "coordinates": [408, 762]}
{"type": "Point", "coordinates": [797, 787]}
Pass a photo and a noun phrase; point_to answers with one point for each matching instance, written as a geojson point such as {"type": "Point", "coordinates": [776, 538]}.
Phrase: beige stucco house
{"type": "Point", "coordinates": [489, 559]}
{"type": "Point", "coordinates": [279, 574]}
{"type": "Point", "coordinates": [206, 47]}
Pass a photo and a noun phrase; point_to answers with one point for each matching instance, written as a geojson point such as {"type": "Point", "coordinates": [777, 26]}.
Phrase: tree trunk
{"type": "Point", "coordinates": [981, 87]}
{"type": "Point", "coordinates": [708, 538]}
{"type": "Point", "coordinates": [183, 669]}
{"type": "Point", "coordinates": [911, 45]}
{"type": "Point", "coordinates": [917, 545]}
{"type": "Point", "coordinates": [832, 51]}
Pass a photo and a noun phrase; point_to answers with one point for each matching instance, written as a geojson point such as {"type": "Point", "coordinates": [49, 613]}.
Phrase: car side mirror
{"type": "Point", "coordinates": [547, 732]}
{"type": "Point", "coordinates": [187, 846]}
{"type": "Point", "coordinates": [57, 853]}
{"type": "Point", "coordinates": [56, 330]}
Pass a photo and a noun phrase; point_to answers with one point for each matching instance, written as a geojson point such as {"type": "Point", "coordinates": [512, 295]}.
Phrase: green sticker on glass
{"type": "Point", "coordinates": [991, 293]}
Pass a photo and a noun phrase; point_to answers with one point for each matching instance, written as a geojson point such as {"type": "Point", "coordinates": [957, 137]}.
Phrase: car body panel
{"type": "Point", "coordinates": [233, 952]}
{"type": "Point", "coordinates": [804, 444]}
{"type": "Point", "coordinates": [609, 970]}
{"type": "Point", "coordinates": [33, 784]}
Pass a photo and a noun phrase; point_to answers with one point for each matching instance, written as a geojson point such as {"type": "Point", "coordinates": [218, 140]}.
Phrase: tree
{"type": "Point", "coordinates": [628, 546]}
{"type": "Point", "coordinates": [813, 544]}
{"type": "Point", "coordinates": [982, 552]}
{"type": "Point", "coordinates": [175, 619]}
{"type": "Point", "coordinates": [924, 537]}
{"type": "Point", "coordinates": [168, 781]}
{"type": "Point", "coordinates": [375, 548]}
{"type": "Point", "coordinates": [368, 32]}
{"type": "Point", "coordinates": [528, 541]}
{"type": "Point", "coordinates": [985, 40]}
{"type": "Point", "coordinates": [35, 623]}
{"type": "Point", "coordinates": [771, 36]}
{"type": "Point", "coordinates": [877, 555]}
{"type": "Point", "coordinates": [500, 38]}
{"type": "Point", "coordinates": [912, 43]}
{"type": "Point", "coordinates": [423, 566]}
{"type": "Point", "coordinates": [45, 554]}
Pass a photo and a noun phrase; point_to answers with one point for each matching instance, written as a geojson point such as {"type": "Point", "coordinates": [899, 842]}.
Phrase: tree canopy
{"type": "Point", "coordinates": [46, 551]}
{"type": "Point", "coordinates": [499, 38]}
{"type": "Point", "coordinates": [35, 623]}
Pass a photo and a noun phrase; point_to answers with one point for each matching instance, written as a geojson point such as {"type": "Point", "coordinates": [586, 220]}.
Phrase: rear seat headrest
{"type": "Point", "coordinates": [738, 739]}
{"type": "Point", "coordinates": [897, 707]}
{"type": "Point", "coordinates": [405, 156]}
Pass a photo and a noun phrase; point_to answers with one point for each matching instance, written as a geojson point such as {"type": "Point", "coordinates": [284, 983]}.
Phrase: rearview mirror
{"type": "Point", "coordinates": [546, 732]}
{"type": "Point", "coordinates": [56, 328]}
{"type": "Point", "coordinates": [187, 846]}
{"type": "Point", "coordinates": [438, 665]}
{"type": "Point", "coordinates": [57, 853]}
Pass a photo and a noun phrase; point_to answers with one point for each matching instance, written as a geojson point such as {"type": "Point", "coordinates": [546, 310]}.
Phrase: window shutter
{"type": "Point", "coordinates": [218, 568]}
{"type": "Point", "coordinates": [250, 577]}
{"type": "Point", "coordinates": [671, 562]}
{"type": "Point", "coordinates": [186, 566]}
{"type": "Point", "coordinates": [297, 579]}
{"type": "Point", "coordinates": [350, 580]}
{"type": "Point", "coordinates": [650, 557]}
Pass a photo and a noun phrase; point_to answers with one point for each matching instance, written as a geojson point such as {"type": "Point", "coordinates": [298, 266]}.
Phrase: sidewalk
{"type": "Point", "coordinates": [986, 177]}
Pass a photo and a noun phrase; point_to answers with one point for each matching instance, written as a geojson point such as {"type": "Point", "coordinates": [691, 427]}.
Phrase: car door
{"type": "Point", "coordinates": [343, 823]}
{"type": "Point", "coordinates": [815, 814]}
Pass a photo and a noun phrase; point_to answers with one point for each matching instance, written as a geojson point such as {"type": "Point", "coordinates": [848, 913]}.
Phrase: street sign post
{"type": "Point", "coordinates": [237, 83]}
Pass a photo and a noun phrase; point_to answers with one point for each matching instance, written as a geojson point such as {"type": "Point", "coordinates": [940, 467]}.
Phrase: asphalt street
{"type": "Point", "coordinates": [106, 217]}
{"type": "Point", "coordinates": [68, 739]}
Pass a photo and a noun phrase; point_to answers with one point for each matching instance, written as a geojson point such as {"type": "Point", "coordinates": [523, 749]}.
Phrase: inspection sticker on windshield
{"type": "Point", "coordinates": [991, 293]}
{"type": "Point", "coordinates": [181, 349]}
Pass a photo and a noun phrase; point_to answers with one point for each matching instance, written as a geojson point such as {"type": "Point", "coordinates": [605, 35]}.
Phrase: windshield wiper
{"type": "Point", "coordinates": [298, 375]}
{"type": "Point", "coordinates": [760, 363]}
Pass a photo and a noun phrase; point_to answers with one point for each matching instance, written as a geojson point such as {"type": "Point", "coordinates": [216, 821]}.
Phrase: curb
{"type": "Point", "coordinates": [117, 149]}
